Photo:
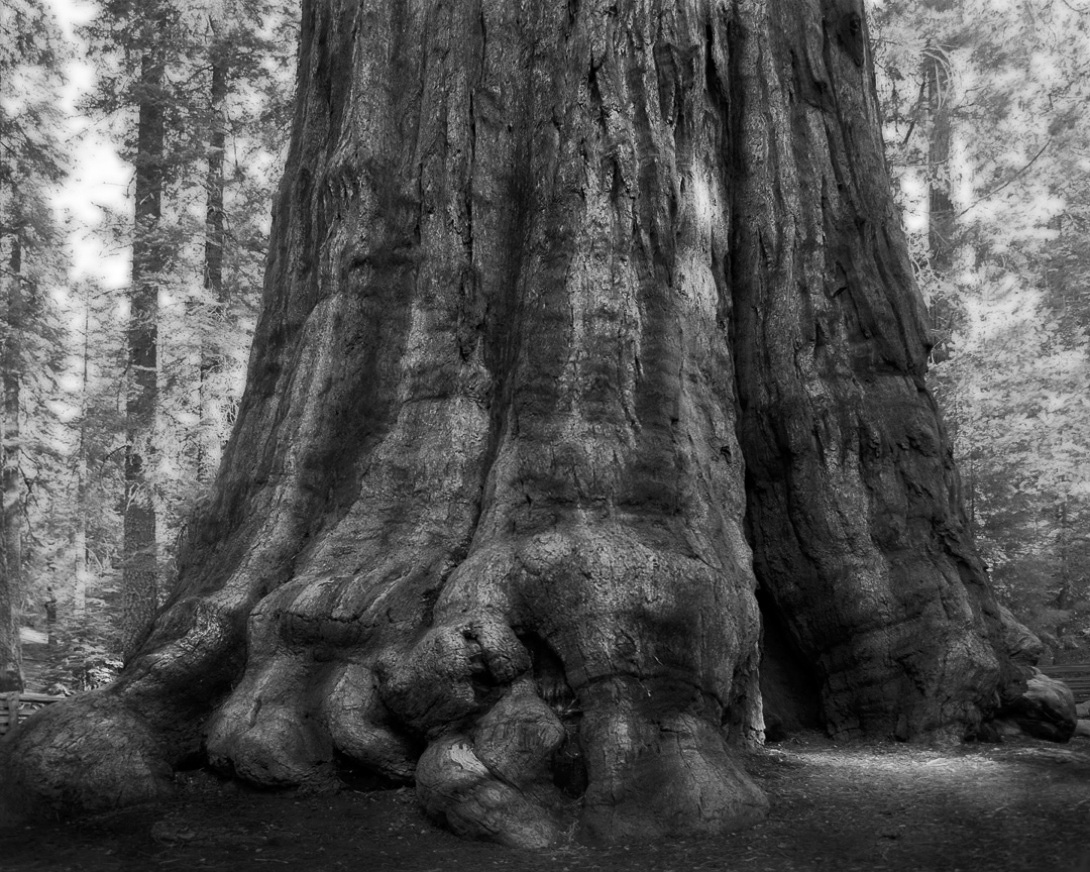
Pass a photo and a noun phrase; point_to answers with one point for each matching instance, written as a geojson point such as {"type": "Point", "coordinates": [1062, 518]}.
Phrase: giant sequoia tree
{"type": "Point", "coordinates": [588, 326]}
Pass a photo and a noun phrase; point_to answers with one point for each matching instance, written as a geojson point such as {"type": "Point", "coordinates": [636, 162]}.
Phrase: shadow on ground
{"type": "Point", "coordinates": [1018, 806]}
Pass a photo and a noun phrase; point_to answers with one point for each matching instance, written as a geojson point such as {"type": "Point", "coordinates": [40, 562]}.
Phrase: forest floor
{"type": "Point", "coordinates": [1021, 805]}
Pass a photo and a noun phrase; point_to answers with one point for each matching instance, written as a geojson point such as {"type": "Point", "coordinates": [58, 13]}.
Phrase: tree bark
{"type": "Point", "coordinates": [941, 215]}
{"type": "Point", "coordinates": [208, 445]}
{"type": "Point", "coordinates": [83, 504]}
{"type": "Point", "coordinates": [11, 518]}
{"type": "Point", "coordinates": [859, 538]}
{"type": "Point", "coordinates": [140, 569]}
{"type": "Point", "coordinates": [564, 302]}
{"type": "Point", "coordinates": [941, 218]}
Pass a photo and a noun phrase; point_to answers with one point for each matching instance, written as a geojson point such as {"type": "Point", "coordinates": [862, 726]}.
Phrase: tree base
{"type": "Point", "coordinates": [86, 754]}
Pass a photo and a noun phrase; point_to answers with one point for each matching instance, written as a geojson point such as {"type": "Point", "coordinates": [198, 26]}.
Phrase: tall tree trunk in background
{"type": "Point", "coordinates": [208, 445]}
{"type": "Point", "coordinates": [140, 588]}
{"type": "Point", "coordinates": [79, 533]}
{"type": "Point", "coordinates": [564, 302]}
{"type": "Point", "coordinates": [11, 534]}
{"type": "Point", "coordinates": [941, 217]}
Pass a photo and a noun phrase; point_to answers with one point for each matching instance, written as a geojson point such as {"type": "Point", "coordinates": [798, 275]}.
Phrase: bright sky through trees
{"type": "Point", "coordinates": [99, 178]}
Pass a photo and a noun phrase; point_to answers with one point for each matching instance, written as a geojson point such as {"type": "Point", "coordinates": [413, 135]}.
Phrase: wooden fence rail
{"type": "Point", "coordinates": [1074, 675]}
{"type": "Point", "coordinates": [16, 707]}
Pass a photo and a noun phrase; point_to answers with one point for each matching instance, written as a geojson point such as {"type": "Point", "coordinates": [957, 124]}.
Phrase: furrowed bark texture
{"type": "Point", "coordinates": [482, 521]}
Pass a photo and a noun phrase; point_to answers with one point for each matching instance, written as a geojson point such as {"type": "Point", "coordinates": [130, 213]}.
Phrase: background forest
{"type": "Point", "coordinates": [126, 310]}
{"type": "Point", "coordinates": [988, 138]}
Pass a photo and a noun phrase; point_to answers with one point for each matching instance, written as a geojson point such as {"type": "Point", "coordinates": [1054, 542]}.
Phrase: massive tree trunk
{"type": "Point", "coordinates": [582, 320]}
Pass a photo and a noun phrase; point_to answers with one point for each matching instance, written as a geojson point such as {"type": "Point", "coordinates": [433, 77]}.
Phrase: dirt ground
{"type": "Point", "coordinates": [1021, 805]}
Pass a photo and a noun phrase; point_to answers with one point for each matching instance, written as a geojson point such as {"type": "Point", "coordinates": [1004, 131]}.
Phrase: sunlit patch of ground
{"type": "Point", "coordinates": [1000, 808]}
